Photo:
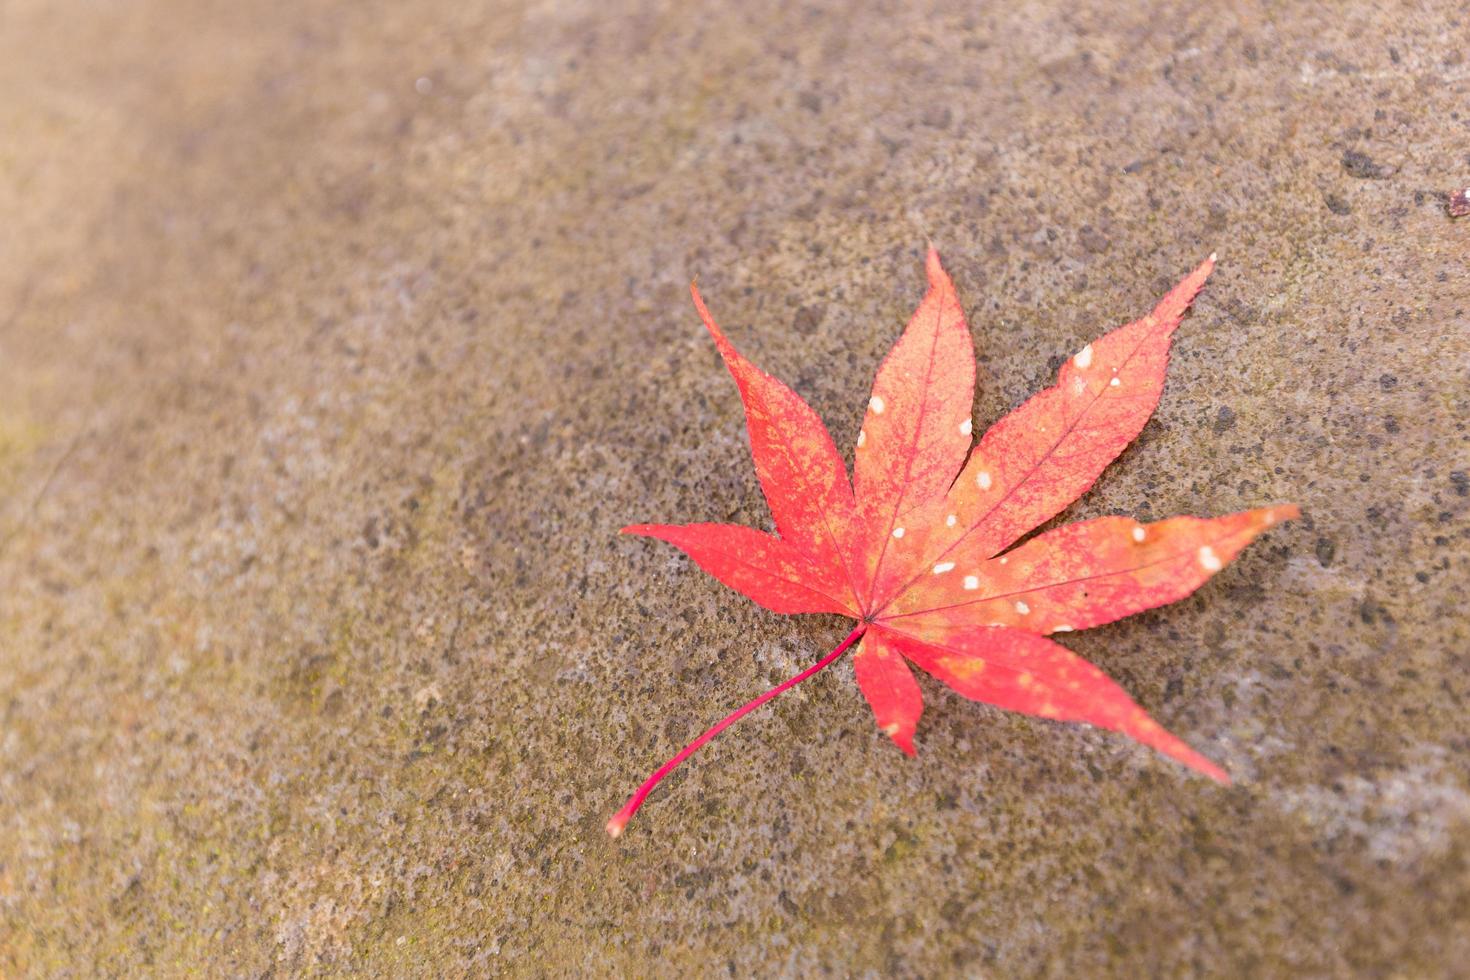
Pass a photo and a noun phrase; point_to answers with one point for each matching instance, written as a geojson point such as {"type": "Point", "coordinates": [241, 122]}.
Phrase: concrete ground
{"type": "Point", "coordinates": [337, 341]}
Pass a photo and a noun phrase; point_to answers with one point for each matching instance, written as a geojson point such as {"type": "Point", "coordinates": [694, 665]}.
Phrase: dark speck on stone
{"type": "Point", "coordinates": [1325, 550]}
{"type": "Point", "coordinates": [939, 117]}
{"type": "Point", "coordinates": [1224, 419]}
{"type": "Point", "coordinates": [807, 319]}
{"type": "Point", "coordinates": [787, 905]}
{"type": "Point", "coordinates": [1388, 382]}
{"type": "Point", "coordinates": [1336, 204]}
{"type": "Point", "coordinates": [1092, 239]}
{"type": "Point", "coordinates": [1360, 165]}
{"type": "Point", "coordinates": [1372, 612]}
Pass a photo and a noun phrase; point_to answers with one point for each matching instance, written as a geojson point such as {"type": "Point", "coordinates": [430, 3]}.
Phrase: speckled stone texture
{"type": "Point", "coordinates": [337, 341]}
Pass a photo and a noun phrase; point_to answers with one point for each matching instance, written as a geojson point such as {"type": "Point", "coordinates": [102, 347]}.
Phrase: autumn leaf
{"type": "Point", "coordinates": [918, 547]}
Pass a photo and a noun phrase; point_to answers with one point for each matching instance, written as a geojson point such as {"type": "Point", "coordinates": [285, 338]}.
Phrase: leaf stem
{"type": "Point", "coordinates": [620, 819]}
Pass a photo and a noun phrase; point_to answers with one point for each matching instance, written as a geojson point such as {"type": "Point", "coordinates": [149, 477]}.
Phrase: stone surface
{"type": "Point", "coordinates": [337, 341]}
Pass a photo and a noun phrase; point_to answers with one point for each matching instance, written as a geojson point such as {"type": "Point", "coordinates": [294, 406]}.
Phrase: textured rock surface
{"type": "Point", "coordinates": [336, 342]}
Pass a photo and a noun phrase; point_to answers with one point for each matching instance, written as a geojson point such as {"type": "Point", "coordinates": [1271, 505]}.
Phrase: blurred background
{"type": "Point", "coordinates": [338, 339]}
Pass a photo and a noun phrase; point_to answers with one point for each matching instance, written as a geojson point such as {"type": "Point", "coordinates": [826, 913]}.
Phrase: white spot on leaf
{"type": "Point", "coordinates": [1084, 357]}
{"type": "Point", "coordinates": [982, 480]}
{"type": "Point", "coordinates": [1022, 608]}
{"type": "Point", "coordinates": [949, 521]}
{"type": "Point", "coordinates": [966, 426]}
{"type": "Point", "coordinates": [1139, 534]}
{"type": "Point", "coordinates": [1114, 383]}
{"type": "Point", "coordinates": [1209, 560]}
{"type": "Point", "coordinates": [898, 532]}
{"type": "Point", "coordinates": [972, 583]}
{"type": "Point", "coordinates": [876, 404]}
{"type": "Point", "coordinates": [943, 567]}
{"type": "Point", "coordinates": [862, 437]}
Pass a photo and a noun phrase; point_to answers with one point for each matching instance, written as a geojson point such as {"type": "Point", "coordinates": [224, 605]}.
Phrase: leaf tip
{"type": "Point", "coordinates": [1281, 512]}
{"type": "Point", "coordinates": [1197, 762]}
{"type": "Point", "coordinates": [727, 350]}
{"type": "Point", "coordinates": [1202, 272]}
{"type": "Point", "coordinates": [619, 821]}
{"type": "Point", "coordinates": [903, 739]}
{"type": "Point", "coordinates": [1214, 772]}
{"type": "Point", "coordinates": [934, 268]}
{"type": "Point", "coordinates": [1170, 310]}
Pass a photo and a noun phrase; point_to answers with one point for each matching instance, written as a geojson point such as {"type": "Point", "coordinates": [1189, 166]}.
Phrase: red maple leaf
{"type": "Point", "coordinates": [915, 547]}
